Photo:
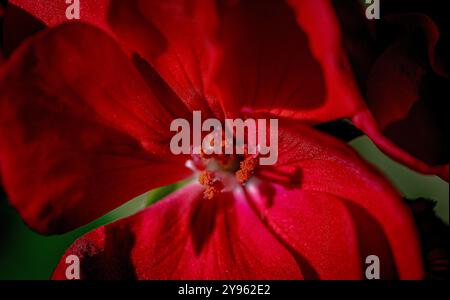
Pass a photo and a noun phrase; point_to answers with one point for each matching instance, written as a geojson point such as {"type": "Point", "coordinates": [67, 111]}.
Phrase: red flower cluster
{"type": "Point", "coordinates": [86, 106]}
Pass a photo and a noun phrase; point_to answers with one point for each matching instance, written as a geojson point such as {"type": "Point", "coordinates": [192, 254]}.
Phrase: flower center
{"type": "Point", "coordinates": [223, 172]}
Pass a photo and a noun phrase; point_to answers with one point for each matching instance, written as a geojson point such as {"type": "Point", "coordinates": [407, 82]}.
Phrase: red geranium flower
{"type": "Point", "coordinates": [85, 127]}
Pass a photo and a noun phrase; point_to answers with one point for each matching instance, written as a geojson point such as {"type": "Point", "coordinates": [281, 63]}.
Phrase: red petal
{"type": "Point", "coordinates": [81, 131]}
{"type": "Point", "coordinates": [147, 28]}
{"type": "Point", "coordinates": [265, 61]}
{"type": "Point", "coordinates": [328, 186]}
{"type": "Point", "coordinates": [245, 54]}
{"type": "Point", "coordinates": [318, 226]}
{"type": "Point", "coordinates": [185, 237]}
{"type": "Point", "coordinates": [283, 60]}
{"type": "Point", "coordinates": [173, 37]}
{"type": "Point", "coordinates": [400, 62]}
{"type": "Point", "coordinates": [407, 98]}
{"type": "Point", "coordinates": [323, 222]}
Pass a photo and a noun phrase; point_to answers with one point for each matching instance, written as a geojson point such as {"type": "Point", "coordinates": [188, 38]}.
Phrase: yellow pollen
{"type": "Point", "coordinates": [213, 185]}
{"type": "Point", "coordinates": [246, 170]}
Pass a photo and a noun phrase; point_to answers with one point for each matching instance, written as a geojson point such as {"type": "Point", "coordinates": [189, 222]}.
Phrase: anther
{"type": "Point", "coordinates": [246, 169]}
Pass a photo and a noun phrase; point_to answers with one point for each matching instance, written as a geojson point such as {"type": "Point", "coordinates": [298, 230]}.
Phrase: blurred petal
{"type": "Point", "coordinates": [401, 64]}
{"type": "Point", "coordinates": [407, 99]}
{"type": "Point", "coordinates": [81, 131]}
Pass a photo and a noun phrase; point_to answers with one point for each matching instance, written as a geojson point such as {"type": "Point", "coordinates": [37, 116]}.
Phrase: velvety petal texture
{"type": "Point", "coordinates": [79, 128]}
{"type": "Point", "coordinates": [379, 215]}
{"type": "Point", "coordinates": [175, 38]}
{"type": "Point", "coordinates": [185, 237]}
{"type": "Point", "coordinates": [324, 215]}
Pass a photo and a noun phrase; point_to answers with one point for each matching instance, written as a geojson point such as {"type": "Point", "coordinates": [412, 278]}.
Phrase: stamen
{"type": "Point", "coordinates": [247, 169]}
{"type": "Point", "coordinates": [224, 172]}
{"type": "Point", "coordinates": [213, 185]}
